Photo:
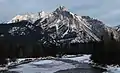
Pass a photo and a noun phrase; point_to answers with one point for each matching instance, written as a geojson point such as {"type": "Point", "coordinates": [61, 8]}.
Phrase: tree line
{"type": "Point", "coordinates": [103, 52]}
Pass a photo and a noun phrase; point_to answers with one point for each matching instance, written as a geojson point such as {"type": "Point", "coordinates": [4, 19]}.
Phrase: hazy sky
{"type": "Point", "coordinates": [107, 11]}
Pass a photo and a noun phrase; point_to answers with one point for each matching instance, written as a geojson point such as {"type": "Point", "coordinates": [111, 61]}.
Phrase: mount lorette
{"type": "Point", "coordinates": [59, 26]}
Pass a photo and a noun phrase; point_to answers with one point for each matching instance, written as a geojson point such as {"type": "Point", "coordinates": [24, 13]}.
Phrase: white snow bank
{"type": "Point", "coordinates": [3, 68]}
{"type": "Point", "coordinates": [23, 59]}
{"type": "Point", "coordinates": [43, 62]}
{"type": "Point", "coordinates": [110, 68]}
{"type": "Point", "coordinates": [113, 69]}
{"type": "Point", "coordinates": [68, 56]}
{"type": "Point", "coordinates": [81, 59]}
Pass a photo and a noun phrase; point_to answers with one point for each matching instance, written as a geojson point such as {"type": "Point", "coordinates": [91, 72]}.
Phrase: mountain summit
{"type": "Point", "coordinates": [61, 8]}
{"type": "Point", "coordinates": [62, 25]}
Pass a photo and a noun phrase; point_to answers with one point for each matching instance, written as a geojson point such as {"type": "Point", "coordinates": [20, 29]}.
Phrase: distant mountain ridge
{"type": "Point", "coordinates": [60, 25]}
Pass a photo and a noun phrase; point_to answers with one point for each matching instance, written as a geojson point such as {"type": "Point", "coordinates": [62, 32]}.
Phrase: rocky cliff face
{"type": "Point", "coordinates": [62, 25]}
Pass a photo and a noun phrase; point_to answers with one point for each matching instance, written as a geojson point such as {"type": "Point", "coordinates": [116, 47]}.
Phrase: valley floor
{"type": "Point", "coordinates": [66, 64]}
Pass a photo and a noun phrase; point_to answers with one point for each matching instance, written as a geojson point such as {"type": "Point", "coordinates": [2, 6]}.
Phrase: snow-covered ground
{"type": "Point", "coordinates": [43, 66]}
{"type": "Point", "coordinates": [113, 69]}
{"type": "Point", "coordinates": [50, 66]}
{"type": "Point", "coordinates": [109, 68]}
{"type": "Point", "coordinates": [86, 59]}
{"type": "Point", "coordinates": [81, 59]}
{"type": "Point", "coordinates": [43, 62]}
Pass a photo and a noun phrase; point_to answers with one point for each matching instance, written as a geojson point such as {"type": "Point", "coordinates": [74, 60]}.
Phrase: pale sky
{"type": "Point", "coordinates": [107, 11]}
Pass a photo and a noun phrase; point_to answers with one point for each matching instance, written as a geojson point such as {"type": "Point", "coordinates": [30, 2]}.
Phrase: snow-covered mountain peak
{"type": "Point", "coordinates": [62, 12]}
{"type": "Point", "coordinates": [31, 17]}
{"type": "Point", "coordinates": [63, 25]}
{"type": "Point", "coordinates": [61, 8]}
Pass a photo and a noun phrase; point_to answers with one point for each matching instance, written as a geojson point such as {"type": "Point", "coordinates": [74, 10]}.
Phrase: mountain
{"type": "Point", "coordinates": [59, 26]}
{"type": "Point", "coordinates": [58, 32]}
